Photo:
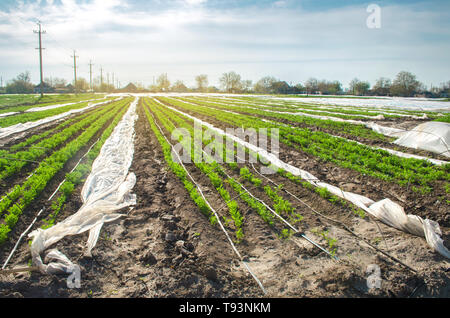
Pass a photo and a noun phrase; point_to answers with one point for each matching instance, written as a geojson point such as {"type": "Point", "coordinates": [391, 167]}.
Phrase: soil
{"type": "Point", "coordinates": [164, 246]}
{"type": "Point", "coordinates": [401, 123]}
{"type": "Point", "coordinates": [24, 135]}
{"type": "Point", "coordinates": [430, 205]}
{"type": "Point", "coordinates": [18, 178]}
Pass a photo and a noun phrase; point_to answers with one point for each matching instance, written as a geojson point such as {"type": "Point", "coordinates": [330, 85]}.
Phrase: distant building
{"type": "Point", "coordinates": [65, 90]}
{"type": "Point", "coordinates": [46, 88]}
{"type": "Point", "coordinates": [129, 88]}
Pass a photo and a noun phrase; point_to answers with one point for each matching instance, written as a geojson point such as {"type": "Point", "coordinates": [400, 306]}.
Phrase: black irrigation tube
{"type": "Point", "coordinates": [343, 226]}
{"type": "Point", "coordinates": [297, 232]}
{"type": "Point", "coordinates": [243, 260]}
{"type": "Point", "coordinates": [43, 209]}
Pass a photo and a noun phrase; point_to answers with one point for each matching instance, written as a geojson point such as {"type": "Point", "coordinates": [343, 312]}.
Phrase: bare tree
{"type": "Point", "coordinates": [311, 85]}
{"type": "Point", "coordinates": [264, 85]}
{"type": "Point", "coordinates": [231, 82]}
{"type": "Point", "coordinates": [202, 82]}
{"type": "Point", "coordinates": [81, 85]}
{"type": "Point", "coordinates": [405, 84]}
{"type": "Point", "coordinates": [179, 87]}
{"type": "Point", "coordinates": [247, 86]}
{"type": "Point", "coordinates": [163, 82]}
{"type": "Point", "coordinates": [358, 87]}
{"type": "Point", "coordinates": [382, 86]}
{"type": "Point", "coordinates": [20, 85]}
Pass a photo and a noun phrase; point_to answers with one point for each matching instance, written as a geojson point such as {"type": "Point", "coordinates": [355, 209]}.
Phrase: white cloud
{"type": "Point", "coordinates": [279, 3]}
{"type": "Point", "coordinates": [195, 2]}
{"type": "Point", "coordinates": [190, 39]}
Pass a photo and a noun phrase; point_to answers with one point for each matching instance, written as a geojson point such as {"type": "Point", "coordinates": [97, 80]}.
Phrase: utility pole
{"type": "Point", "coordinates": [114, 87]}
{"type": "Point", "coordinates": [40, 32]}
{"type": "Point", "coordinates": [101, 78]}
{"type": "Point", "coordinates": [75, 69]}
{"type": "Point", "coordinates": [90, 76]}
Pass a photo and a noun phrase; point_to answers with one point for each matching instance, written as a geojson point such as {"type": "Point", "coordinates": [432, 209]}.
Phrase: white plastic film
{"type": "Point", "coordinates": [391, 151]}
{"type": "Point", "coordinates": [7, 131]}
{"type": "Point", "coordinates": [106, 190]}
{"type": "Point", "coordinates": [42, 108]}
{"type": "Point", "coordinates": [385, 210]}
{"type": "Point", "coordinates": [432, 136]}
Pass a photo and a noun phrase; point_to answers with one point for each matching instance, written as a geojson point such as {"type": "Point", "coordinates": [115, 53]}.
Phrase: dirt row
{"type": "Point", "coordinates": [430, 205]}
{"type": "Point", "coordinates": [41, 201]}
{"type": "Point", "coordinates": [164, 247]}
{"type": "Point", "coordinates": [22, 136]}
{"type": "Point", "coordinates": [402, 123]}
{"type": "Point", "coordinates": [356, 254]}
{"type": "Point", "coordinates": [18, 178]}
{"type": "Point", "coordinates": [161, 248]}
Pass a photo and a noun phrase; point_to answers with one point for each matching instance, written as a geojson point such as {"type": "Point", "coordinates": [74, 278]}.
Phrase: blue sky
{"type": "Point", "coordinates": [289, 39]}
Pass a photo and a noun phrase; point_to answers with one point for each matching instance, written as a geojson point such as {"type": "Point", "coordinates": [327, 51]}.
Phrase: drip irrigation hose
{"type": "Point", "coordinates": [369, 216]}
{"type": "Point", "coordinates": [297, 232]}
{"type": "Point", "coordinates": [42, 210]}
{"type": "Point", "coordinates": [215, 213]}
{"type": "Point", "coordinates": [344, 227]}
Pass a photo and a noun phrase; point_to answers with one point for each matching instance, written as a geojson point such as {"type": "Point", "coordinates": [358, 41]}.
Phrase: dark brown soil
{"type": "Point", "coordinates": [405, 123]}
{"type": "Point", "coordinates": [19, 177]}
{"type": "Point", "coordinates": [432, 205]}
{"type": "Point", "coordinates": [41, 202]}
{"type": "Point", "coordinates": [164, 246]}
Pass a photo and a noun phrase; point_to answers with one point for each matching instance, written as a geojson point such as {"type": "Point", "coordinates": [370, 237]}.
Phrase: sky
{"type": "Point", "coordinates": [292, 40]}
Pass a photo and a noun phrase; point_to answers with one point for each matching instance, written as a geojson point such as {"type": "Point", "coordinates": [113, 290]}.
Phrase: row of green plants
{"type": "Point", "coordinates": [284, 205]}
{"type": "Point", "coordinates": [22, 104]}
{"type": "Point", "coordinates": [179, 171]}
{"type": "Point", "coordinates": [280, 205]}
{"type": "Point", "coordinates": [209, 169]}
{"type": "Point", "coordinates": [34, 116]}
{"type": "Point", "coordinates": [35, 138]}
{"type": "Point", "coordinates": [13, 163]}
{"type": "Point", "coordinates": [374, 162]}
{"type": "Point", "coordinates": [235, 185]}
{"type": "Point", "coordinates": [327, 124]}
{"type": "Point", "coordinates": [14, 203]}
{"type": "Point", "coordinates": [358, 110]}
{"type": "Point", "coordinates": [444, 119]}
{"type": "Point", "coordinates": [78, 176]}
{"type": "Point", "coordinates": [307, 109]}
{"type": "Point", "coordinates": [322, 192]}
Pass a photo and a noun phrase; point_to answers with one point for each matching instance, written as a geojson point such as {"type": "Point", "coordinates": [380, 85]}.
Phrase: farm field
{"type": "Point", "coordinates": [299, 225]}
{"type": "Point", "coordinates": [18, 103]}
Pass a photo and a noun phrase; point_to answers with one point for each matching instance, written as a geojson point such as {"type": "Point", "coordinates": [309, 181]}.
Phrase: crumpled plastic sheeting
{"type": "Point", "coordinates": [393, 103]}
{"type": "Point", "coordinates": [432, 136]}
{"type": "Point", "coordinates": [38, 109]}
{"type": "Point", "coordinates": [5, 132]}
{"type": "Point", "coordinates": [107, 189]}
{"type": "Point", "coordinates": [387, 131]}
{"type": "Point", "coordinates": [385, 210]}
{"type": "Point", "coordinates": [400, 154]}
{"type": "Point", "coordinates": [394, 152]}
